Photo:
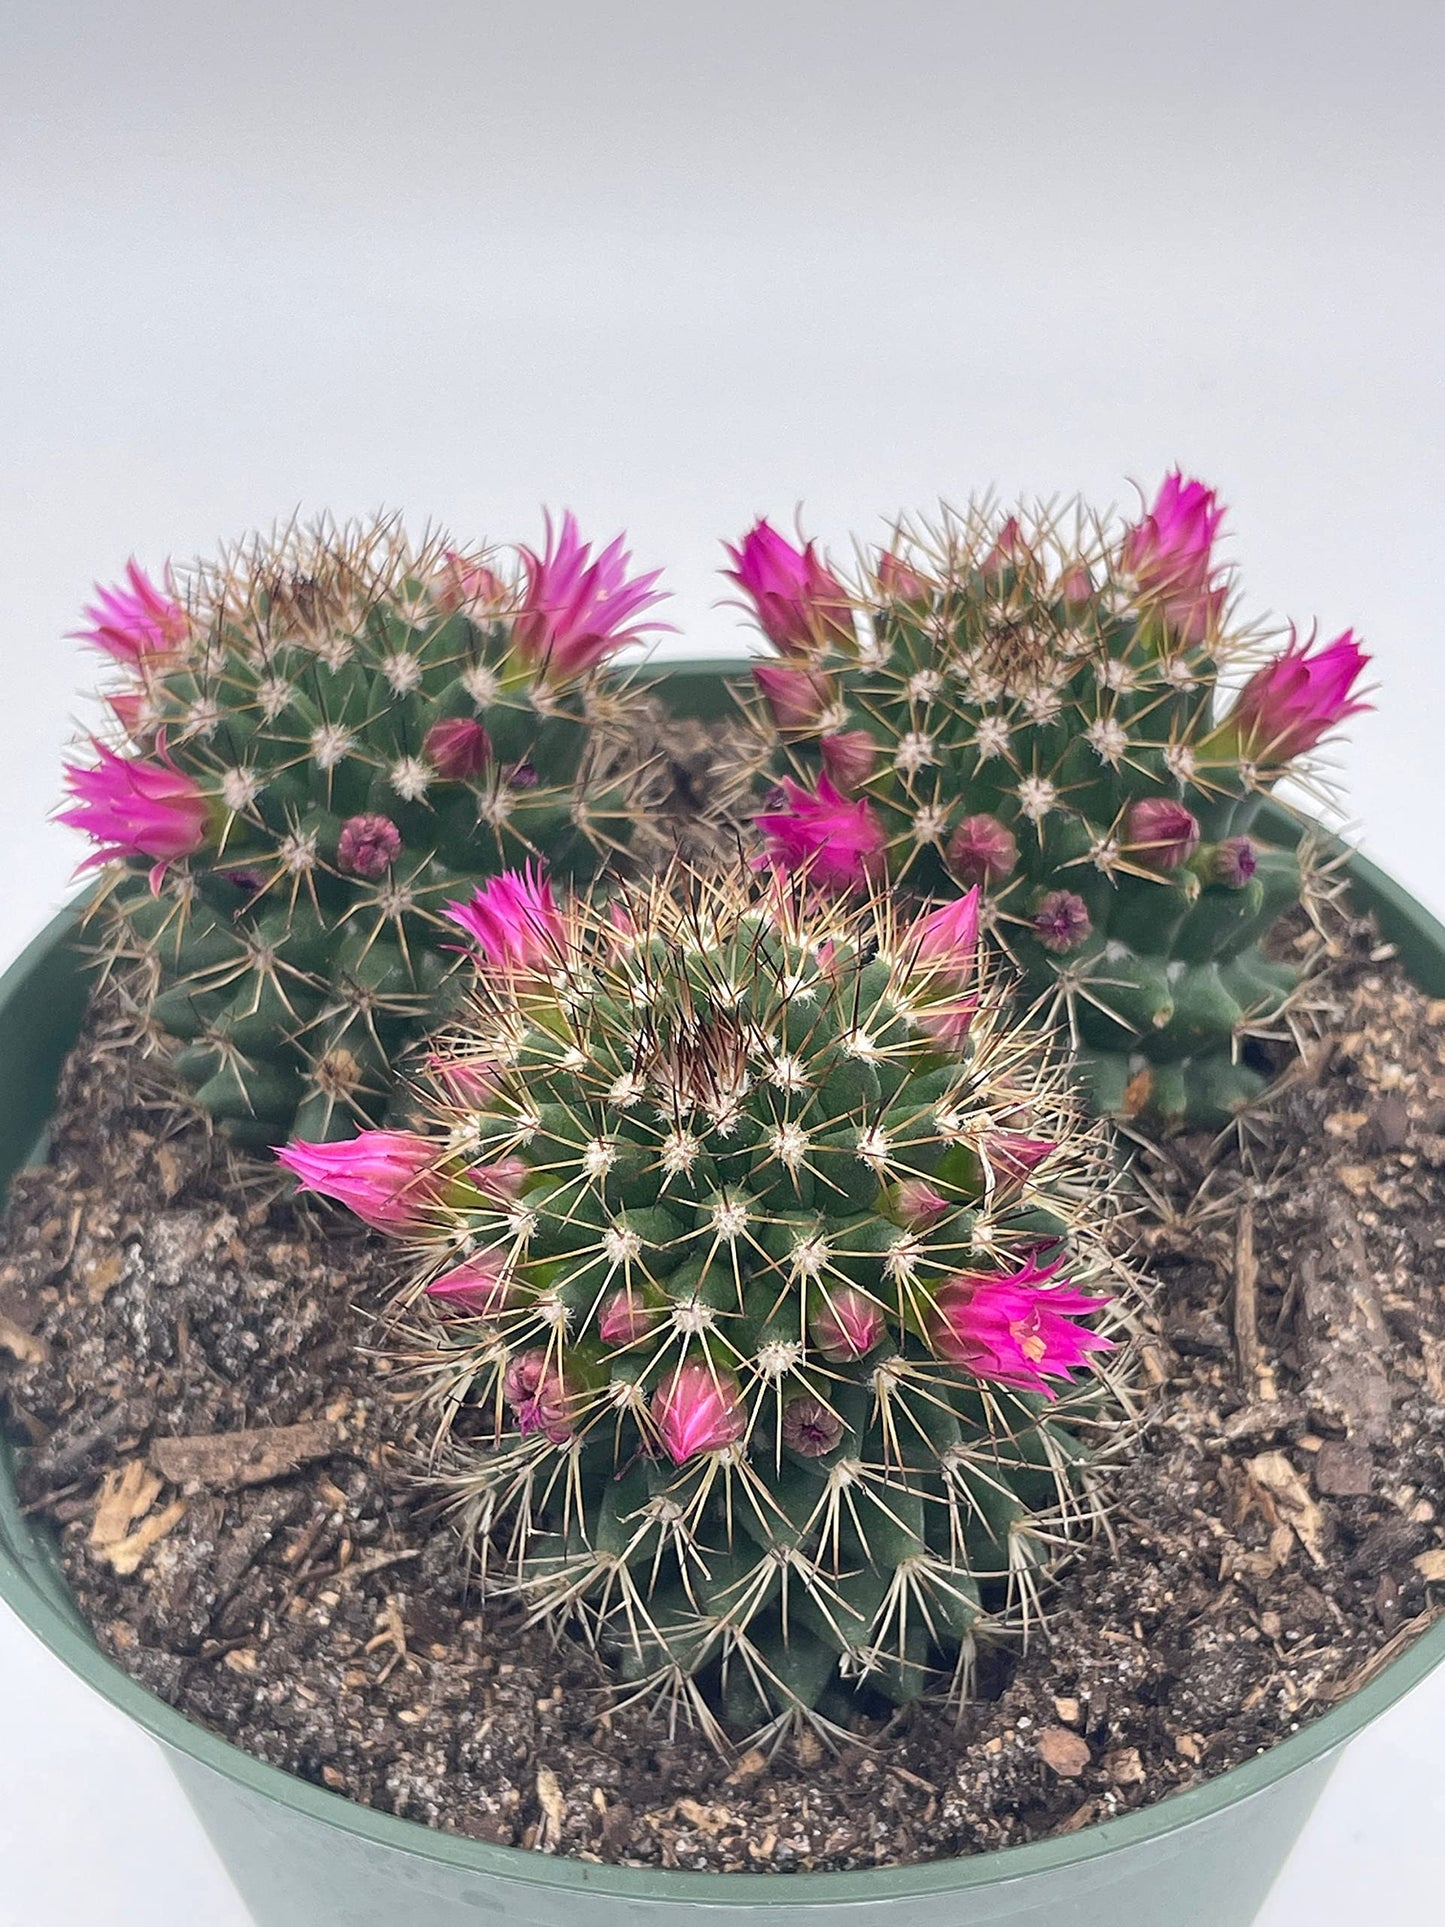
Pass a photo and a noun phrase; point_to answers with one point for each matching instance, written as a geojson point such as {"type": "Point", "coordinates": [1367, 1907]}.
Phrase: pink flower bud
{"type": "Point", "coordinates": [1290, 705]}
{"type": "Point", "coordinates": [538, 1395]}
{"type": "Point", "coordinates": [945, 941]}
{"type": "Point", "coordinates": [1009, 551]}
{"type": "Point", "coordinates": [1161, 833]}
{"type": "Point", "coordinates": [388, 1178]}
{"type": "Point", "coordinates": [1017, 1330]}
{"type": "Point", "coordinates": [983, 851]}
{"type": "Point", "coordinates": [917, 1205]}
{"type": "Point", "coordinates": [457, 748]}
{"type": "Point", "coordinates": [809, 1427]}
{"type": "Point", "coordinates": [799, 603]}
{"type": "Point", "coordinates": [1076, 589]}
{"type": "Point", "coordinates": [575, 612]}
{"type": "Point", "coordinates": [368, 846]}
{"type": "Point", "coordinates": [514, 922]}
{"type": "Point", "coordinates": [849, 758]}
{"type": "Point", "coordinates": [1014, 1156]}
{"type": "Point", "coordinates": [464, 584]}
{"type": "Point", "coordinates": [466, 1080]}
{"type": "Point", "coordinates": [1232, 862]}
{"type": "Point", "coordinates": [897, 579]}
{"type": "Point", "coordinates": [1062, 922]}
{"type": "Point", "coordinates": [502, 1180]}
{"type": "Point", "coordinates": [135, 807]}
{"type": "Point", "coordinates": [697, 1409]}
{"type": "Point", "coordinates": [838, 845]}
{"type": "Point", "coordinates": [138, 624]}
{"type": "Point", "coordinates": [477, 1289]}
{"type": "Point", "coordinates": [1169, 553]}
{"type": "Point", "coordinates": [799, 698]}
{"type": "Point", "coordinates": [626, 1318]}
{"type": "Point", "coordinates": [846, 1325]}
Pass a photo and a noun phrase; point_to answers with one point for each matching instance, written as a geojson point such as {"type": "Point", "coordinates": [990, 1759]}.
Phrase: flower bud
{"type": "Point", "coordinates": [1232, 862]}
{"type": "Point", "coordinates": [368, 846]}
{"type": "Point", "coordinates": [457, 748]}
{"type": "Point", "coordinates": [983, 851]}
{"type": "Point", "coordinates": [1062, 921]}
{"type": "Point", "coordinates": [849, 758]}
{"type": "Point", "coordinates": [846, 1325]}
{"type": "Point", "coordinates": [1161, 833]}
{"type": "Point", "coordinates": [626, 1318]}
{"type": "Point", "coordinates": [809, 1427]}
{"type": "Point", "coordinates": [697, 1409]}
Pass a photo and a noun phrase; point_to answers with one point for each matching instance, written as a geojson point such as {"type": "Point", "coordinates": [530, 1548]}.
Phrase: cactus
{"type": "Point", "coordinates": [326, 738]}
{"type": "Point", "coordinates": [1033, 709]}
{"type": "Point", "coordinates": [759, 1253]}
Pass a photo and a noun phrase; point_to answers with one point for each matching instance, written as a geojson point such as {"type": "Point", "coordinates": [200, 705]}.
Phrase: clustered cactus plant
{"type": "Point", "coordinates": [326, 739]}
{"type": "Point", "coordinates": [759, 1251]}
{"type": "Point", "coordinates": [1034, 710]}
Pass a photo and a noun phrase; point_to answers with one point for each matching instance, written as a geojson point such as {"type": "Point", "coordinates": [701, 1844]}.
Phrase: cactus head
{"type": "Point", "coordinates": [759, 1291]}
{"type": "Point", "coordinates": [1031, 707]}
{"type": "Point", "coordinates": [329, 737]}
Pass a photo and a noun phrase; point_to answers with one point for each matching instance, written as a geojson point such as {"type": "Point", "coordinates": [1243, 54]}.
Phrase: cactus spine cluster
{"type": "Point", "coordinates": [1035, 709]}
{"type": "Point", "coordinates": [757, 1262]}
{"type": "Point", "coordinates": [327, 738]}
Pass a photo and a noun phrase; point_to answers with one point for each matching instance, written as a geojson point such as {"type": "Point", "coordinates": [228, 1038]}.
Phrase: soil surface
{"type": "Point", "coordinates": [186, 1353]}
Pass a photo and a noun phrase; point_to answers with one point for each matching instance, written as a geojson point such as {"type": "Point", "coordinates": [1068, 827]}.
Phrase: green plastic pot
{"type": "Point", "coordinates": [304, 1857]}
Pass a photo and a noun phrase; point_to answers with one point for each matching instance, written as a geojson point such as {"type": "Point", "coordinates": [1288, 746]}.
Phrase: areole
{"type": "Point", "coordinates": [300, 1854]}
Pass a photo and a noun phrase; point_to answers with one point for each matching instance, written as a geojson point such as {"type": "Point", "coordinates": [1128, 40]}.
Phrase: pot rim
{"type": "Point", "coordinates": [33, 1589]}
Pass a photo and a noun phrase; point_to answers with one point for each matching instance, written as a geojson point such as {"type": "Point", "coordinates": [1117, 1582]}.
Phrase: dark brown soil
{"type": "Point", "coordinates": [1276, 1539]}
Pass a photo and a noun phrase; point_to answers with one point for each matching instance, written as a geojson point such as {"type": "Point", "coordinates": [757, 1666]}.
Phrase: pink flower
{"type": "Point", "coordinates": [1161, 832]}
{"type": "Point", "coordinates": [135, 624]}
{"type": "Point", "coordinates": [514, 922]}
{"type": "Point", "coordinates": [388, 1178]}
{"type": "Point", "coordinates": [846, 1325]}
{"type": "Point", "coordinates": [1062, 921]}
{"type": "Point", "coordinates": [799, 698]}
{"type": "Point", "coordinates": [798, 601]}
{"type": "Point", "coordinates": [838, 844]}
{"type": "Point", "coordinates": [468, 1080]}
{"type": "Point", "coordinates": [917, 1205]}
{"type": "Point", "coordinates": [983, 851]}
{"type": "Point", "coordinates": [457, 748]}
{"type": "Point", "coordinates": [898, 579]}
{"type": "Point", "coordinates": [538, 1395]}
{"type": "Point", "coordinates": [810, 1428]}
{"type": "Point", "coordinates": [461, 583]}
{"type": "Point", "coordinates": [1014, 1156]}
{"type": "Point", "coordinates": [575, 612]}
{"type": "Point", "coordinates": [1232, 862]}
{"type": "Point", "coordinates": [945, 941]}
{"type": "Point", "coordinates": [1018, 1330]}
{"type": "Point", "coordinates": [367, 846]}
{"type": "Point", "coordinates": [697, 1410]}
{"type": "Point", "coordinates": [134, 807]}
{"type": "Point", "coordinates": [626, 1318]}
{"type": "Point", "coordinates": [849, 758]}
{"type": "Point", "coordinates": [477, 1288]}
{"type": "Point", "coordinates": [1169, 554]}
{"type": "Point", "coordinates": [1287, 707]}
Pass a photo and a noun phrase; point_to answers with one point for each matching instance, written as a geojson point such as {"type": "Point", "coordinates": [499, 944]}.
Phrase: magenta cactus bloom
{"type": "Point", "coordinates": [1290, 705]}
{"type": "Point", "coordinates": [1018, 1330]}
{"type": "Point", "coordinates": [697, 1409]}
{"type": "Point", "coordinates": [368, 846]}
{"type": "Point", "coordinates": [798, 697]}
{"type": "Point", "coordinates": [1170, 555]}
{"type": "Point", "coordinates": [809, 1427]}
{"type": "Point", "coordinates": [849, 758]}
{"type": "Point", "coordinates": [477, 1289]}
{"type": "Point", "coordinates": [514, 922]}
{"type": "Point", "coordinates": [135, 622]}
{"type": "Point", "coordinates": [625, 1318]}
{"type": "Point", "coordinates": [799, 603]}
{"type": "Point", "coordinates": [840, 845]}
{"type": "Point", "coordinates": [983, 851]}
{"type": "Point", "coordinates": [388, 1178]}
{"type": "Point", "coordinates": [1062, 921]}
{"type": "Point", "coordinates": [846, 1324]}
{"type": "Point", "coordinates": [457, 748]}
{"type": "Point", "coordinates": [575, 612]}
{"type": "Point", "coordinates": [1161, 833]}
{"type": "Point", "coordinates": [132, 806]}
{"type": "Point", "coordinates": [538, 1395]}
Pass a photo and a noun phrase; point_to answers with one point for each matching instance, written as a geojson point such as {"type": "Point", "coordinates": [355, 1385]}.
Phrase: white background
{"type": "Point", "coordinates": [672, 266]}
